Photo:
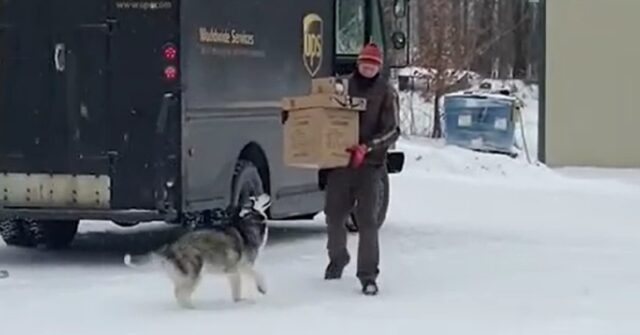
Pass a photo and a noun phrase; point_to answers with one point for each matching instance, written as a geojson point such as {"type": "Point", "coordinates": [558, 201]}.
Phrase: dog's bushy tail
{"type": "Point", "coordinates": [4, 274]}
{"type": "Point", "coordinates": [133, 261]}
{"type": "Point", "coordinates": [152, 257]}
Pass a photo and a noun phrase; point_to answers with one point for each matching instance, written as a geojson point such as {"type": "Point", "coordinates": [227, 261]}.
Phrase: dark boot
{"type": "Point", "coordinates": [335, 268]}
{"type": "Point", "coordinates": [369, 287]}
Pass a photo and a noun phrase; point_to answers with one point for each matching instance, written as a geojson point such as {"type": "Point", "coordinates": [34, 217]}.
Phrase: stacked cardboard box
{"type": "Point", "coordinates": [319, 127]}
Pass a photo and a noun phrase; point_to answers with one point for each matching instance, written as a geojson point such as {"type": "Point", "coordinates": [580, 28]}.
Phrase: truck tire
{"type": "Point", "coordinates": [55, 234]}
{"type": "Point", "coordinates": [246, 182]}
{"type": "Point", "coordinates": [382, 205]}
{"type": "Point", "coordinates": [17, 233]}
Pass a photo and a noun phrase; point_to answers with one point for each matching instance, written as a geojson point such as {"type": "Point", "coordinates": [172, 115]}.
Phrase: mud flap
{"type": "Point", "coordinates": [395, 162]}
{"type": "Point", "coordinates": [162, 193]}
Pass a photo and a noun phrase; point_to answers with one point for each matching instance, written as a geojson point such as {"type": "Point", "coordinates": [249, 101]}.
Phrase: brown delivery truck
{"type": "Point", "coordinates": [138, 111]}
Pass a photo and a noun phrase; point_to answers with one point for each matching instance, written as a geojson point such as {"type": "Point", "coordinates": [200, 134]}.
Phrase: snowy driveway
{"type": "Point", "coordinates": [464, 252]}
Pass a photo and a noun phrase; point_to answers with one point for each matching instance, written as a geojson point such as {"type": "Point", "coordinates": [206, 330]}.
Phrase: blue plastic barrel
{"type": "Point", "coordinates": [476, 121]}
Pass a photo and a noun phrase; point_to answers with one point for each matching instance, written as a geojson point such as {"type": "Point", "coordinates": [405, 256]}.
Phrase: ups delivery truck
{"type": "Point", "coordinates": [136, 111]}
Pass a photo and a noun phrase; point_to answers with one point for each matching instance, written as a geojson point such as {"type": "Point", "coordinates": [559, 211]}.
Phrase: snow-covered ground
{"type": "Point", "coordinates": [474, 244]}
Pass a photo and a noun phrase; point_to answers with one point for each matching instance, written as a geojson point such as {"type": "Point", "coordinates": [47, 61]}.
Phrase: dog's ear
{"type": "Point", "coordinates": [255, 204]}
{"type": "Point", "coordinates": [232, 211]}
{"type": "Point", "coordinates": [248, 203]}
{"type": "Point", "coordinates": [262, 203]}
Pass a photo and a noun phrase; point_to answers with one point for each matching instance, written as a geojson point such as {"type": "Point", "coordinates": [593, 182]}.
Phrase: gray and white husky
{"type": "Point", "coordinates": [230, 249]}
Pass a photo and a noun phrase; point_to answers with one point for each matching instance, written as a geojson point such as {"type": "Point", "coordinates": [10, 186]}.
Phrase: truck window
{"type": "Point", "coordinates": [376, 24]}
{"type": "Point", "coordinates": [350, 28]}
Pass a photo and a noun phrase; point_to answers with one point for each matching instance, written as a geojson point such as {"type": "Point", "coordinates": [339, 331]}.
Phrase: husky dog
{"type": "Point", "coordinates": [230, 249]}
{"type": "Point", "coordinates": [4, 274]}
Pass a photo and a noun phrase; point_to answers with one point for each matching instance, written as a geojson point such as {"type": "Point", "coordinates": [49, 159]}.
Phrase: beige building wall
{"type": "Point", "coordinates": [592, 114]}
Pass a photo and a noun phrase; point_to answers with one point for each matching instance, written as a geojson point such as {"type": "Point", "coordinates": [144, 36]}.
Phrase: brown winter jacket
{"type": "Point", "coordinates": [379, 126]}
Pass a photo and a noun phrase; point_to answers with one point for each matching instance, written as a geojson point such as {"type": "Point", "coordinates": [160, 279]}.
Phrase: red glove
{"type": "Point", "coordinates": [357, 155]}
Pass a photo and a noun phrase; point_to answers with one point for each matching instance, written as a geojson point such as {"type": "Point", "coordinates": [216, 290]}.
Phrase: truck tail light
{"type": "Point", "coordinates": [170, 56]}
{"type": "Point", "coordinates": [170, 72]}
{"type": "Point", "coordinates": [170, 52]}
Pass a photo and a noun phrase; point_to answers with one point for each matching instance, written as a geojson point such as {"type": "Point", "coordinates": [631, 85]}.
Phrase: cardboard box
{"type": "Point", "coordinates": [330, 85]}
{"type": "Point", "coordinates": [319, 128]}
{"type": "Point", "coordinates": [331, 101]}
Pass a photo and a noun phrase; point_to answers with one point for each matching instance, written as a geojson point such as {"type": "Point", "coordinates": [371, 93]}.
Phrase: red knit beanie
{"type": "Point", "coordinates": [370, 53]}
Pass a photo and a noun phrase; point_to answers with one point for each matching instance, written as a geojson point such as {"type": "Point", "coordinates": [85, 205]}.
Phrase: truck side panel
{"type": "Point", "coordinates": [240, 59]}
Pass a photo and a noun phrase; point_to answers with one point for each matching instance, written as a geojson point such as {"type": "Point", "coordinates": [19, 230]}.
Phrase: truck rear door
{"type": "Point", "coordinates": [54, 94]}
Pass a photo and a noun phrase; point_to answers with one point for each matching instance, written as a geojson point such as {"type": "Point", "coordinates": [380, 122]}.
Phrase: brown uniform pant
{"type": "Point", "coordinates": [345, 189]}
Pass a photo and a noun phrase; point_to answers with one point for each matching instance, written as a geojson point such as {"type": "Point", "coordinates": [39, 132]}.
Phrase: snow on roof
{"type": "Point", "coordinates": [415, 71]}
{"type": "Point", "coordinates": [482, 93]}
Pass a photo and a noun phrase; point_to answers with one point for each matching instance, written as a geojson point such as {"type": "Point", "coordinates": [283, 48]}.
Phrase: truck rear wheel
{"type": "Point", "coordinates": [246, 182]}
{"type": "Point", "coordinates": [55, 234]}
{"type": "Point", "coordinates": [382, 205]}
{"type": "Point", "coordinates": [17, 233]}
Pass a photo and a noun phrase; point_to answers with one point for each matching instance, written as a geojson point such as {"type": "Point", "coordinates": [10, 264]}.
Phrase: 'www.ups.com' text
{"type": "Point", "coordinates": [143, 5]}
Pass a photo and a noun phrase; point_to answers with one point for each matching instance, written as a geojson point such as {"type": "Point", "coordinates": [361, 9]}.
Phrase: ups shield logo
{"type": "Point", "coordinates": [312, 34]}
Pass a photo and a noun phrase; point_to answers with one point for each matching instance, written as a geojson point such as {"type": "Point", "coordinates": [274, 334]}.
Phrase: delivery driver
{"type": "Point", "coordinates": [356, 185]}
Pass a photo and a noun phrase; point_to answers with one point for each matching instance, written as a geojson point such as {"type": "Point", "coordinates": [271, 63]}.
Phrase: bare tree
{"type": "Point", "coordinates": [458, 36]}
{"type": "Point", "coordinates": [447, 43]}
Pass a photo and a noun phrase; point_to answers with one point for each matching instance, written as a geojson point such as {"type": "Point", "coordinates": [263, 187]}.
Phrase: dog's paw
{"type": "Point", "coordinates": [127, 260]}
{"type": "Point", "coordinates": [186, 304]}
{"type": "Point", "coordinates": [238, 298]}
{"type": "Point", "coordinates": [261, 284]}
{"type": "Point", "coordinates": [262, 289]}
